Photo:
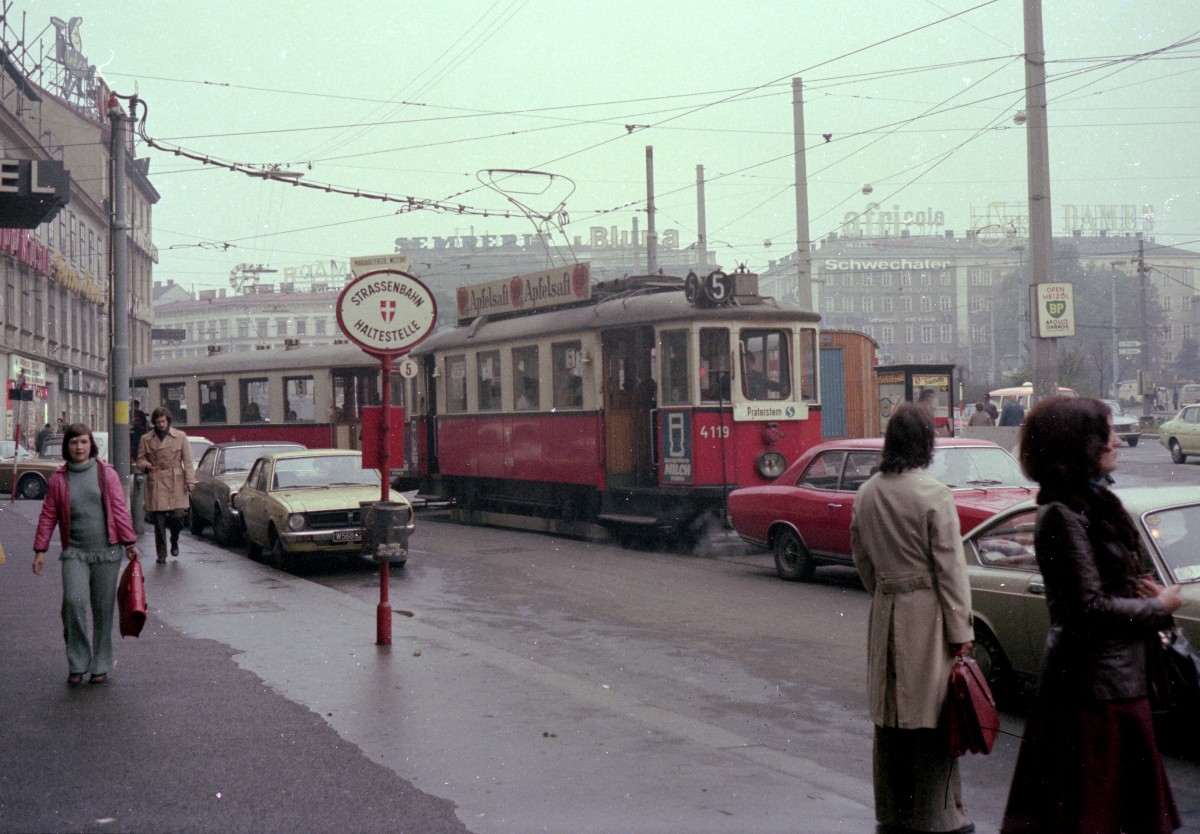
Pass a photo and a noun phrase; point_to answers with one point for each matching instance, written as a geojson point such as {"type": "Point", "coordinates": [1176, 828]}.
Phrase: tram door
{"type": "Point", "coordinates": [629, 403]}
{"type": "Point", "coordinates": [352, 389]}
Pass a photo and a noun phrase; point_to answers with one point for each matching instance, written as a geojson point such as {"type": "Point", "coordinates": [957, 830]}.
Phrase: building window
{"type": "Point", "coordinates": [848, 304]}
{"type": "Point", "coordinates": [886, 279]}
{"type": "Point", "coordinates": [867, 279]}
{"type": "Point", "coordinates": [886, 304]}
{"type": "Point", "coordinates": [281, 327]}
{"type": "Point", "coordinates": [243, 328]}
{"type": "Point", "coordinates": [906, 304]}
{"type": "Point", "coordinates": [301, 327]}
{"type": "Point", "coordinates": [888, 335]}
{"type": "Point", "coordinates": [320, 327]}
{"type": "Point", "coordinates": [944, 303]}
{"type": "Point", "coordinates": [981, 277]}
{"type": "Point", "coordinates": [947, 334]}
{"type": "Point", "coordinates": [260, 328]}
{"type": "Point", "coordinates": [868, 304]}
{"type": "Point", "coordinates": [926, 304]}
{"type": "Point", "coordinates": [906, 279]}
{"type": "Point", "coordinates": [927, 333]}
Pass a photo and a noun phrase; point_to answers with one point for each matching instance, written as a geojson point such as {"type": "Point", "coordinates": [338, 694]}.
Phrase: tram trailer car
{"type": "Point", "coordinates": [311, 395]}
{"type": "Point", "coordinates": [640, 407]}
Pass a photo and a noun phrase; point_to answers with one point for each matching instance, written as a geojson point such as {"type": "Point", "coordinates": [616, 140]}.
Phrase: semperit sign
{"type": "Point", "coordinates": [386, 312]}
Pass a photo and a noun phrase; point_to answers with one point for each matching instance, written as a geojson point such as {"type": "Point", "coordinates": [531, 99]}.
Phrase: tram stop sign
{"type": "Point", "coordinates": [386, 312]}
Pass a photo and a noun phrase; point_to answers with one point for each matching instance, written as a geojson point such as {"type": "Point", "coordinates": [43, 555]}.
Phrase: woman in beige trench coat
{"type": "Point", "coordinates": [166, 458]}
{"type": "Point", "coordinates": [908, 550]}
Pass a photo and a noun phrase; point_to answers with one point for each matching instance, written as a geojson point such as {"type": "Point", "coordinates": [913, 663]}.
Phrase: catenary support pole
{"type": "Point", "coordinates": [120, 366]}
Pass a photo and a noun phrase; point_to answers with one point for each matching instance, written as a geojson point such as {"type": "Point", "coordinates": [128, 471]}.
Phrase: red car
{"type": "Point", "coordinates": [804, 515]}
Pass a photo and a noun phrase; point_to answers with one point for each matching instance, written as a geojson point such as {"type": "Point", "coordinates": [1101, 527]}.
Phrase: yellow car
{"type": "Point", "coordinates": [310, 503]}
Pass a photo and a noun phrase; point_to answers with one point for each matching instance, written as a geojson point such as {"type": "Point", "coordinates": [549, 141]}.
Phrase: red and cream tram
{"type": "Point", "coordinates": [310, 395]}
{"type": "Point", "coordinates": [637, 403]}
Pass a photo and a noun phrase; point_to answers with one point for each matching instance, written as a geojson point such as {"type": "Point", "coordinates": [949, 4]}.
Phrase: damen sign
{"type": "Point", "coordinates": [386, 312]}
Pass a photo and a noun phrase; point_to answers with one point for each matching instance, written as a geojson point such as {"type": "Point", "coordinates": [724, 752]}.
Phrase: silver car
{"type": "Point", "coordinates": [219, 473]}
{"type": "Point", "coordinates": [1125, 426]}
{"type": "Point", "coordinates": [1008, 595]}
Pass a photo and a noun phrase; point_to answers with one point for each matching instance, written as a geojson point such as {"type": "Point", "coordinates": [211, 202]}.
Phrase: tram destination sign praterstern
{"type": "Point", "coordinates": [386, 312]}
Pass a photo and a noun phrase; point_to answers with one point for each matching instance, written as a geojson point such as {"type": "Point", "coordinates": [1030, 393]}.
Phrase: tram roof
{"type": "Point", "coordinates": [299, 358]}
{"type": "Point", "coordinates": [614, 311]}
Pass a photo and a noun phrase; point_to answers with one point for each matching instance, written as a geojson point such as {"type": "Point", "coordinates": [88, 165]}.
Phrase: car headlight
{"type": "Point", "coordinates": [770, 464]}
{"type": "Point", "coordinates": [296, 522]}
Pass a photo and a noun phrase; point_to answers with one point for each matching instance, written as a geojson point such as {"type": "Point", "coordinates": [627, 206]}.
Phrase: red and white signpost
{"type": "Point", "coordinates": [387, 313]}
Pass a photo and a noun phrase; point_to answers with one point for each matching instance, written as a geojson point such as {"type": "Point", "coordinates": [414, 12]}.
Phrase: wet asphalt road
{"type": "Point", "coordinates": [549, 684]}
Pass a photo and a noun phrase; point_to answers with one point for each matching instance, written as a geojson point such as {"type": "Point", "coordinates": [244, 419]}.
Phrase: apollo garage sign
{"type": "Point", "coordinates": [386, 312]}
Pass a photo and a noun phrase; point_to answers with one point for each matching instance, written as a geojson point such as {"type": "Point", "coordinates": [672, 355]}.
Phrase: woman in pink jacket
{"type": "Point", "coordinates": [86, 502]}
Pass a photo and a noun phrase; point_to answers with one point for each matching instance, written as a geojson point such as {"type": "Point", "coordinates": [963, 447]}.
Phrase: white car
{"type": "Point", "coordinates": [1125, 426]}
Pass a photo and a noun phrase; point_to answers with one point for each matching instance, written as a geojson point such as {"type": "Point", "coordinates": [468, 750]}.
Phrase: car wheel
{"type": "Point", "coordinates": [1132, 440]}
{"type": "Point", "coordinates": [1177, 454]}
{"type": "Point", "coordinates": [792, 559]}
{"type": "Point", "coordinates": [224, 530]}
{"type": "Point", "coordinates": [278, 555]}
{"type": "Point", "coordinates": [31, 487]}
{"type": "Point", "coordinates": [195, 522]}
{"type": "Point", "coordinates": [992, 662]}
{"type": "Point", "coordinates": [253, 549]}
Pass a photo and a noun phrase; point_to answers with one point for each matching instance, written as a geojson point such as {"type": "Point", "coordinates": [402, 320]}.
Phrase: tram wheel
{"type": "Point", "coordinates": [792, 559]}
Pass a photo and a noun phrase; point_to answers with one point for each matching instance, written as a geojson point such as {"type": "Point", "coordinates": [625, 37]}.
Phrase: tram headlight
{"type": "Point", "coordinates": [770, 464]}
{"type": "Point", "coordinates": [296, 522]}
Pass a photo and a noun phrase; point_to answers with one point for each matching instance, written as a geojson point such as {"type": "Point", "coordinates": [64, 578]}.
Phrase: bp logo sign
{"type": "Point", "coordinates": [1056, 310]}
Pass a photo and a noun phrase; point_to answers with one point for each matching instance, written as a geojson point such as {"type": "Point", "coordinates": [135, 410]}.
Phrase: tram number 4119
{"type": "Point", "coordinates": [714, 432]}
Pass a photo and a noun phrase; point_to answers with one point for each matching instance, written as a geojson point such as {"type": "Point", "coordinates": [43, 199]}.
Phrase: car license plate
{"type": "Point", "coordinates": [347, 535]}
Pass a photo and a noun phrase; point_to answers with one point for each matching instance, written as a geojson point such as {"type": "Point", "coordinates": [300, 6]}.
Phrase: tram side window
{"type": "Point", "coordinates": [526, 391]}
{"type": "Point", "coordinates": [212, 401]}
{"type": "Point", "coordinates": [714, 364]}
{"type": "Point", "coordinates": [488, 364]}
{"type": "Point", "coordinates": [675, 367]}
{"type": "Point", "coordinates": [568, 370]}
{"type": "Point", "coordinates": [172, 395]}
{"type": "Point", "coordinates": [766, 369]}
{"type": "Point", "coordinates": [299, 403]}
{"type": "Point", "coordinates": [256, 400]}
{"type": "Point", "coordinates": [456, 383]}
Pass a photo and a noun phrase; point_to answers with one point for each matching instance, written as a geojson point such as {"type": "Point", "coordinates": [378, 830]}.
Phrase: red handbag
{"type": "Point", "coordinates": [131, 599]}
{"type": "Point", "coordinates": [970, 712]}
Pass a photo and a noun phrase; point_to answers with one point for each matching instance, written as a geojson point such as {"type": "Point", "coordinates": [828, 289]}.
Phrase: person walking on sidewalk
{"type": "Point", "coordinates": [906, 545]}
{"type": "Point", "coordinates": [86, 502]}
{"type": "Point", "coordinates": [166, 458]}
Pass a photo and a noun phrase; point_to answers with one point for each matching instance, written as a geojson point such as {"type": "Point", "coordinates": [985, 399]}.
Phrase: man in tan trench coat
{"type": "Point", "coordinates": [908, 550]}
{"type": "Point", "coordinates": [166, 458]}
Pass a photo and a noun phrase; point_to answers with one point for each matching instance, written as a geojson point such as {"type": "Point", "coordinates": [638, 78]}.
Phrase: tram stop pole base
{"type": "Point", "coordinates": [383, 613]}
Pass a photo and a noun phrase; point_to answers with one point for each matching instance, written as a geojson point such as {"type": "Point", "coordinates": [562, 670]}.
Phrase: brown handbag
{"type": "Point", "coordinates": [131, 599]}
{"type": "Point", "coordinates": [970, 715]}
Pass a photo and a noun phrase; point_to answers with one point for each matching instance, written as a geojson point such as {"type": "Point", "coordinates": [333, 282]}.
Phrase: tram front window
{"type": "Point", "coordinates": [675, 367]}
{"type": "Point", "coordinates": [714, 364]}
{"type": "Point", "coordinates": [766, 372]}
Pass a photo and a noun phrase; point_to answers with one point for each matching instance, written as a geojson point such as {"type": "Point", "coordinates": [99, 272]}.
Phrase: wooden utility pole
{"type": "Point", "coordinates": [804, 293]}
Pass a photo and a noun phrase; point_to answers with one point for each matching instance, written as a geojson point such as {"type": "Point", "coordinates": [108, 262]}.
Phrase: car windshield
{"type": "Point", "coordinates": [1114, 407]}
{"type": "Point", "coordinates": [317, 472]}
{"type": "Point", "coordinates": [1174, 532]}
{"type": "Point", "coordinates": [6, 449]}
{"type": "Point", "coordinates": [977, 466]}
{"type": "Point", "coordinates": [241, 458]}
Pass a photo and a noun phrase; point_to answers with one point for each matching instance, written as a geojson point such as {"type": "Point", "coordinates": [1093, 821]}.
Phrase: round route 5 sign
{"type": "Point", "coordinates": [386, 312]}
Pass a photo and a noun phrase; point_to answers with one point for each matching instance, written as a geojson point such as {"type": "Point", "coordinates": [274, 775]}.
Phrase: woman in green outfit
{"type": "Point", "coordinates": [86, 502]}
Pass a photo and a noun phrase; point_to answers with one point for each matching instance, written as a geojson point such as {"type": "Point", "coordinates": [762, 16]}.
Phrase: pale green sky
{"type": "Point", "coordinates": [414, 98]}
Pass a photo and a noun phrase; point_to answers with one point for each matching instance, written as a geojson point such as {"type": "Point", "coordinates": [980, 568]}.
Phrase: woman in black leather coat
{"type": "Point", "coordinates": [1089, 762]}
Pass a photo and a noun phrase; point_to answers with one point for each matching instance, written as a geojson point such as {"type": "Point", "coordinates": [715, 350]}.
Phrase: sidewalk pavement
{"type": "Point", "coordinates": [180, 739]}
